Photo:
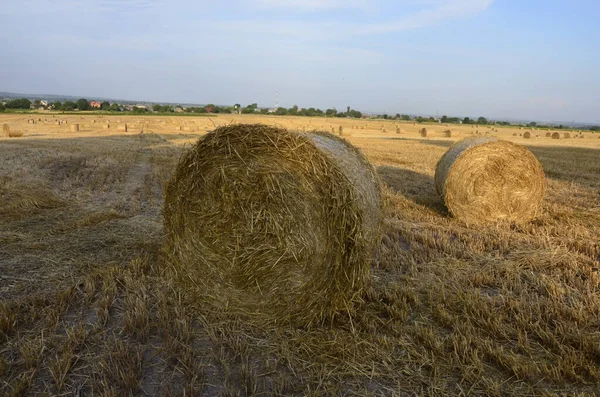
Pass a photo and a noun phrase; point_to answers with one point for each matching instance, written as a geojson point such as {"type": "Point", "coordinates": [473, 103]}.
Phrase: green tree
{"type": "Point", "coordinates": [533, 124]}
{"type": "Point", "coordinates": [482, 120]}
{"type": "Point", "coordinates": [114, 107]}
{"type": "Point", "coordinates": [57, 105]}
{"type": "Point", "coordinates": [83, 104]}
{"type": "Point", "coordinates": [331, 112]}
{"type": "Point", "coordinates": [21, 103]}
{"type": "Point", "coordinates": [2, 107]}
{"type": "Point", "coordinates": [281, 111]}
{"type": "Point", "coordinates": [37, 103]}
{"type": "Point", "coordinates": [467, 120]}
{"type": "Point", "coordinates": [68, 105]}
{"type": "Point", "coordinates": [405, 117]}
{"type": "Point", "coordinates": [105, 105]}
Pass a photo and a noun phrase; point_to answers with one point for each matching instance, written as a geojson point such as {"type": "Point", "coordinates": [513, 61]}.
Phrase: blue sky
{"type": "Point", "coordinates": [530, 59]}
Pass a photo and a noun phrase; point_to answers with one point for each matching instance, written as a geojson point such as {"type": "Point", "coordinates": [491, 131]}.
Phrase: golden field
{"type": "Point", "coordinates": [86, 306]}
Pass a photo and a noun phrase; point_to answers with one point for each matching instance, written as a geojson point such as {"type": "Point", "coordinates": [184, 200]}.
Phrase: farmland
{"type": "Point", "coordinates": [88, 306]}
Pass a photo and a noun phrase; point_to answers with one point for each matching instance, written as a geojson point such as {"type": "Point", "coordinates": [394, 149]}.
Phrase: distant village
{"type": "Point", "coordinates": [83, 104]}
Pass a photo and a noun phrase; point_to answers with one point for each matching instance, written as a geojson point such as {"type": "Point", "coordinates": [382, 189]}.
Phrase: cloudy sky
{"type": "Point", "coordinates": [529, 59]}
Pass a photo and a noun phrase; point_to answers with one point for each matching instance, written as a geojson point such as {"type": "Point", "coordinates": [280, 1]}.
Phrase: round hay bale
{"type": "Point", "coordinates": [486, 180]}
{"type": "Point", "coordinates": [398, 130]}
{"type": "Point", "coordinates": [341, 130]}
{"type": "Point", "coordinates": [423, 132]}
{"type": "Point", "coordinates": [106, 126]}
{"type": "Point", "coordinates": [567, 135]}
{"type": "Point", "coordinates": [527, 135]}
{"type": "Point", "coordinates": [548, 134]}
{"type": "Point", "coordinates": [448, 133]}
{"type": "Point", "coordinates": [514, 134]}
{"type": "Point", "coordinates": [122, 128]}
{"type": "Point", "coordinates": [555, 135]}
{"type": "Point", "coordinates": [273, 224]}
{"type": "Point", "coordinates": [74, 127]}
{"type": "Point", "coordinates": [5, 129]}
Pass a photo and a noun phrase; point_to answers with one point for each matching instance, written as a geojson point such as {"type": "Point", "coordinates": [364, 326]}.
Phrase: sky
{"type": "Point", "coordinates": [532, 59]}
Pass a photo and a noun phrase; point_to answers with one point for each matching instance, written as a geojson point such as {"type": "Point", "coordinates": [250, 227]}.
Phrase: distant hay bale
{"type": "Point", "coordinates": [106, 126]}
{"type": "Point", "coordinates": [423, 132]}
{"type": "Point", "coordinates": [486, 180]}
{"type": "Point", "coordinates": [74, 127]}
{"type": "Point", "coordinates": [31, 121]}
{"type": "Point", "coordinates": [448, 133]}
{"type": "Point", "coordinates": [341, 130]}
{"type": "Point", "coordinates": [383, 130]}
{"type": "Point", "coordinates": [555, 135]}
{"type": "Point", "coordinates": [548, 134]}
{"type": "Point", "coordinates": [272, 224]}
{"type": "Point", "coordinates": [177, 128]}
{"type": "Point", "coordinates": [527, 135]}
{"type": "Point", "coordinates": [567, 135]}
{"type": "Point", "coordinates": [5, 129]}
{"type": "Point", "coordinates": [514, 134]}
{"type": "Point", "coordinates": [122, 128]}
{"type": "Point", "coordinates": [398, 130]}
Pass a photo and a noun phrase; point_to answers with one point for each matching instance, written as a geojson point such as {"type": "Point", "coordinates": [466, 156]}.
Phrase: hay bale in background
{"type": "Point", "coordinates": [341, 130]}
{"type": "Point", "coordinates": [106, 126]}
{"type": "Point", "coordinates": [423, 132]}
{"type": "Point", "coordinates": [448, 133]}
{"type": "Point", "coordinates": [398, 130]}
{"type": "Point", "coordinates": [485, 180]}
{"type": "Point", "coordinates": [122, 128]}
{"type": "Point", "coordinates": [567, 135]}
{"type": "Point", "coordinates": [555, 135]}
{"type": "Point", "coordinates": [273, 224]}
{"type": "Point", "coordinates": [5, 129]}
{"type": "Point", "coordinates": [74, 127]}
{"type": "Point", "coordinates": [548, 134]}
{"type": "Point", "coordinates": [527, 135]}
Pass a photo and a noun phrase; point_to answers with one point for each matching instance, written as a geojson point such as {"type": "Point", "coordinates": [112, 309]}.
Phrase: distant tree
{"type": "Point", "coordinates": [2, 107]}
{"type": "Point", "coordinates": [330, 112]}
{"type": "Point", "coordinates": [533, 124]}
{"type": "Point", "coordinates": [114, 107]}
{"type": "Point", "coordinates": [385, 116]}
{"type": "Point", "coordinates": [405, 117]}
{"type": "Point", "coordinates": [105, 105]}
{"type": "Point", "coordinates": [37, 103]}
{"type": "Point", "coordinates": [21, 103]}
{"type": "Point", "coordinates": [482, 120]}
{"type": "Point", "coordinates": [444, 119]}
{"type": "Point", "coordinates": [281, 111]}
{"type": "Point", "coordinates": [56, 105]}
{"type": "Point", "coordinates": [83, 104]}
{"type": "Point", "coordinates": [293, 111]}
{"type": "Point", "coordinates": [156, 107]}
{"type": "Point", "coordinates": [68, 106]}
{"type": "Point", "coordinates": [467, 120]}
{"type": "Point", "coordinates": [137, 109]}
{"type": "Point", "coordinates": [348, 110]}
{"type": "Point", "coordinates": [264, 111]}
{"type": "Point", "coordinates": [355, 113]}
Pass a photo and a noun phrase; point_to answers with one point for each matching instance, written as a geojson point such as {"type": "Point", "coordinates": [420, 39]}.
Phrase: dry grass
{"type": "Point", "coordinates": [88, 307]}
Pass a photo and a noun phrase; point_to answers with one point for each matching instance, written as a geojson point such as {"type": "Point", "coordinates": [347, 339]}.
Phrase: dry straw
{"type": "Point", "coordinates": [122, 128]}
{"type": "Point", "coordinates": [106, 126]}
{"type": "Point", "coordinates": [271, 224]}
{"type": "Point", "coordinates": [448, 133]}
{"type": "Point", "coordinates": [555, 135]}
{"type": "Point", "coordinates": [423, 132]}
{"type": "Point", "coordinates": [486, 180]}
{"type": "Point", "coordinates": [527, 135]}
{"type": "Point", "coordinates": [567, 135]}
{"type": "Point", "coordinates": [548, 134]}
{"type": "Point", "coordinates": [74, 127]}
{"type": "Point", "coordinates": [11, 134]}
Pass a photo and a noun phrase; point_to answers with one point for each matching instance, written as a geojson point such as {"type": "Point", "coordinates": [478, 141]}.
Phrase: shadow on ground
{"type": "Point", "coordinates": [415, 186]}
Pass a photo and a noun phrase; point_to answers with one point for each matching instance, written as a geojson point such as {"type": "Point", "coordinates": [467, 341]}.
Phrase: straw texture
{"type": "Point", "coordinates": [486, 180]}
{"type": "Point", "coordinates": [272, 224]}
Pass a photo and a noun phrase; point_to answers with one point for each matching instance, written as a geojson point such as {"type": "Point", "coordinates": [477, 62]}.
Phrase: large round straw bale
{"type": "Point", "coordinates": [273, 224]}
{"type": "Point", "coordinates": [122, 128]}
{"type": "Point", "coordinates": [555, 135]}
{"type": "Point", "coordinates": [484, 179]}
{"type": "Point", "coordinates": [527, 135]}
{"type": "Point", "coordinates": [5, 129]}
{"type": "Point", "coordinates": [567, 135]}
{"type": "Point", "coordinates": [423, 132]}
{"type": "Point", "coordinates": [74, 127]}
{"type": "Point", "coordinates": [448, 133]}
{"type": "Point", "coordinates": [398, 130]}
{"type": "Point", "coordinates": [106, 126]}
{"type": "Point", "coordinates": [548, 134]}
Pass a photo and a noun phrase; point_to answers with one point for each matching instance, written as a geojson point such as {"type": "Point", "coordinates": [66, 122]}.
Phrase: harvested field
{"type": "Point", "coordinates": [88, 307]}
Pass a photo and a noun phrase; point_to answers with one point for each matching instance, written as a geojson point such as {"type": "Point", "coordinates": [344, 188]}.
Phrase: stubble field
{"type": "Point", "coordinates": [87, 307]}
